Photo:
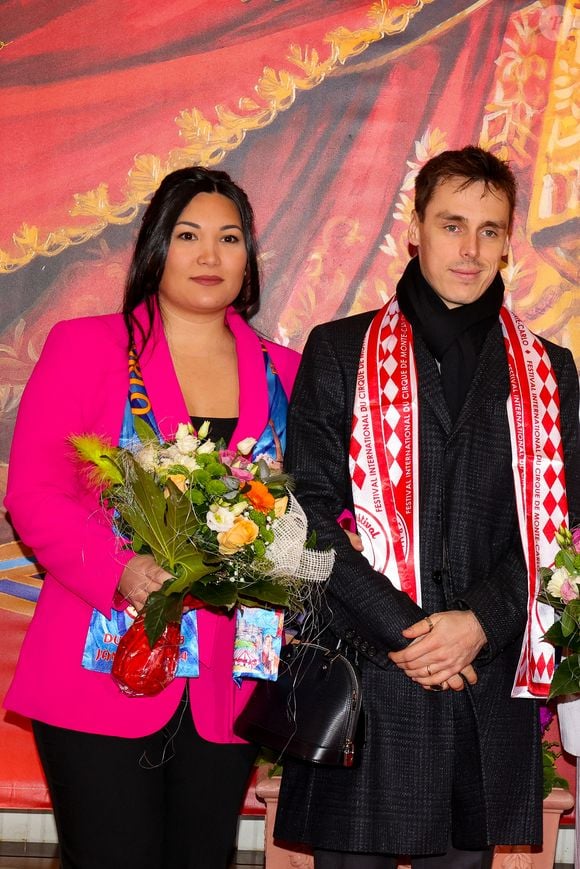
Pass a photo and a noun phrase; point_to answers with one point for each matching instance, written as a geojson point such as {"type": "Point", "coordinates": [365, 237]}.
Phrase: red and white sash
{"type": "Point", "coordinates": [384, 467]}
{"type": "Point", "coordinates": [384, 451]}
{"type": "Point", "coordinates": [540, 487]}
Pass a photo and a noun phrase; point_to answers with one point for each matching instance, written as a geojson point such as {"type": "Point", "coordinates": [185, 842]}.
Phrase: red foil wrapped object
{"type": "Point", "coordinates": [142, 671]}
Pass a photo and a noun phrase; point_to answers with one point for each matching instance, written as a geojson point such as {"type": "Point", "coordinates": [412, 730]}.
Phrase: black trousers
{"type": "Point", "coordinates": [165, 801]}
{"type": "Point", "coordinates": [453, 859]}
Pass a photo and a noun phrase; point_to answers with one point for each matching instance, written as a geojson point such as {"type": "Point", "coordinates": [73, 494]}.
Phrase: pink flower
{"type": "Point", "coordinates": [227, 456]}
{"type": "Point", "coordinates": [241, 474]}
{"type": "Point", "coordinates": [569, 591]}
{"type": "Point", "coordinates": [576, 537]}
{"type": "Point", "coordinates": [236, 464]}
{"type": "Point", "coordinates": [546, 716]}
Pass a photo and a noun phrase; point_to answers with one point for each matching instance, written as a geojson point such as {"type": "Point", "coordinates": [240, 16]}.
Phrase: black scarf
{"type": "Point", "coordinates": [454, 336]}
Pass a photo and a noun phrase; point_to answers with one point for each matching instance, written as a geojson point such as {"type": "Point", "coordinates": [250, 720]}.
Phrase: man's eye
{"type": "Point", "coordinates": [451, 227]}
{"type": "Point", "coordinates": [490, 233]}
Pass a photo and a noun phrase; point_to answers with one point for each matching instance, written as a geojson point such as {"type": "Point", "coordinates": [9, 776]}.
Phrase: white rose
{"type": "Point", "coordinates": [246, 446]}
{"type": "Point", "coordinates": [219, 518]}
{"type": "Point", "coordinates": [187, 444]}
{"type": "Point", "coordinates": [558, 577]}
{"type": "Point", "coordinates": [207, 447]}
{"type": "Point", "coordinates": [183, 430]}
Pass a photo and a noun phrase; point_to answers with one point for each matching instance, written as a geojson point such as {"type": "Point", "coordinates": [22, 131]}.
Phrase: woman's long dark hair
{"type": "Point", "coordinates": [174, 193]}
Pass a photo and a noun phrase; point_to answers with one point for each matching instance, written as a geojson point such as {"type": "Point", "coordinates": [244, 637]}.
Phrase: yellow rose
{"type": "Point", "coordinates": [242, 532]}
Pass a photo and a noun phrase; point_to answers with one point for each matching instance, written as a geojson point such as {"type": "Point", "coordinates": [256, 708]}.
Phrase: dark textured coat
{"type": "Point", "coordinates": [434, 765]}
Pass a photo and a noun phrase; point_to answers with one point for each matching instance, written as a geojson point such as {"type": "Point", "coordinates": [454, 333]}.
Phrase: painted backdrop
{"type": "Point", "coordinates": [323, 111]}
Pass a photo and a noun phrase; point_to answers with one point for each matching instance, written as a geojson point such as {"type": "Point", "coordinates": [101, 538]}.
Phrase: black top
{"type": "Point", "coordinates": [220, 426]}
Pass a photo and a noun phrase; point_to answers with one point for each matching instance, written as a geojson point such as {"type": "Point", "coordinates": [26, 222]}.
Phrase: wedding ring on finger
{"type": "Point", "coordinates": [428, 668]}
{"type": "Point", "coordinates": [437, 687]}
{"type": "Point", "coordinates": [429, 622]}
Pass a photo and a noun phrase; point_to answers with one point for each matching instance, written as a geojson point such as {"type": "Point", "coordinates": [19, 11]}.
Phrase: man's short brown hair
{"type": "Point", "coordinates": [471, 163]}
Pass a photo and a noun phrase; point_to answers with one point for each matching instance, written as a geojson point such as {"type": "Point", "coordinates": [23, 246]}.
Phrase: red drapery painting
{"type": "Point", "coordinates": [323, 112]}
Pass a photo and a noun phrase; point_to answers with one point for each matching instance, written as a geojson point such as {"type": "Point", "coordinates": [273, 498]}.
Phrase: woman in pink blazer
{"type": "Point", "coordinates": [149, 782]}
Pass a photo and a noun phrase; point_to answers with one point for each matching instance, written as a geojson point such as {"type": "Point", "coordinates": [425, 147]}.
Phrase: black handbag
{"type": "Point", "coordinates": [311, 711]}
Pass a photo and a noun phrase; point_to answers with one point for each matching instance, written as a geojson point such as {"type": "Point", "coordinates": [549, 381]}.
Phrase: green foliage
{"type": "Point", "coordinates": [144, 431]}
{"type": "Point", "coordinates": [311, 542]}
{"type": "Point", "coordinates": [551, 777]}
{"type": "Point", "coordinates": [565, 634]}
{"type": "Point", "coordinates": [200, 477]}
{"type": "Point", "coordinates": [142, 509]}
{"type": "Point", "coordinates": [567, 677]}
{"type": "Point", "coordinates": [571, 624]}
{"type": "Point", "coordinates": [222, 594]}
{"type": "Point", "coordinates": [216, 488]}
{"type": "Point", "coordinates": [257, 517]}
{"type": "Point", "coordinates": [191, 568]}
{"type": "Point", "coordinates": [568, 560]}
{"type": "Point", "coordinates": [268, 535]}
{"type": "Point", "coordinates": [259, 548]}
{"type": "Point", "coordinates": [263, 590]}
{"type": "Point", "coordinates": [216, 469]}
{"type": "Point", "coordinates": [160, 611]}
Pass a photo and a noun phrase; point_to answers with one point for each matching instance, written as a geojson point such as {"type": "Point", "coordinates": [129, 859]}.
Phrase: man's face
{"type": "Point", "coordinates": [462, 239]}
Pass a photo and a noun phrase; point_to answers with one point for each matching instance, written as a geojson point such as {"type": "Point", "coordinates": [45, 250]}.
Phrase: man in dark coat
{"type": "Point", "coordinates": [451, 760]}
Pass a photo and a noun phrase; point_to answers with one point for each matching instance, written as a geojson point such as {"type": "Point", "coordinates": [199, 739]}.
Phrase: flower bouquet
{"type": "Point", "coordinates": [560, 588]}
{"type": "Point", "coordinates": [224, 525]}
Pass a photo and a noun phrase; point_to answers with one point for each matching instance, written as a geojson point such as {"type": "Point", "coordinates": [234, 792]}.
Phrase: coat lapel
{"type": "Point", "coordinates": [490, 379]}
{"type": "Point", "coordinates": [429, 384]}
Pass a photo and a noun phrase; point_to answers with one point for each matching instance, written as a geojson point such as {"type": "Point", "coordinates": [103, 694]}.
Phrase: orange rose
{"type": "Point", "coordinates": [180, 481]}
{"type": "Point", "coordinates": [259, 496]}
{"type": "Point", "coordinates": [242, 532]}
{"type": "Point", "coordinates": [280, 506]}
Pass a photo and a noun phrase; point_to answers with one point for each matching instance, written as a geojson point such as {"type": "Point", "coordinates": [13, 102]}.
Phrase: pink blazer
{"type": "Point", "coordinates": [79, 385]}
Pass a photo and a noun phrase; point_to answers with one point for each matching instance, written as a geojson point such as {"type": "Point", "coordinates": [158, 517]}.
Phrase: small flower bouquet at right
{"type": "Point", "coordinates": [561, 590]}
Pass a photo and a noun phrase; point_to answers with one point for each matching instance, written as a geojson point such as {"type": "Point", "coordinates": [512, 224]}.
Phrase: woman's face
{"type": "Point", "coordinates": [206, 259]}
